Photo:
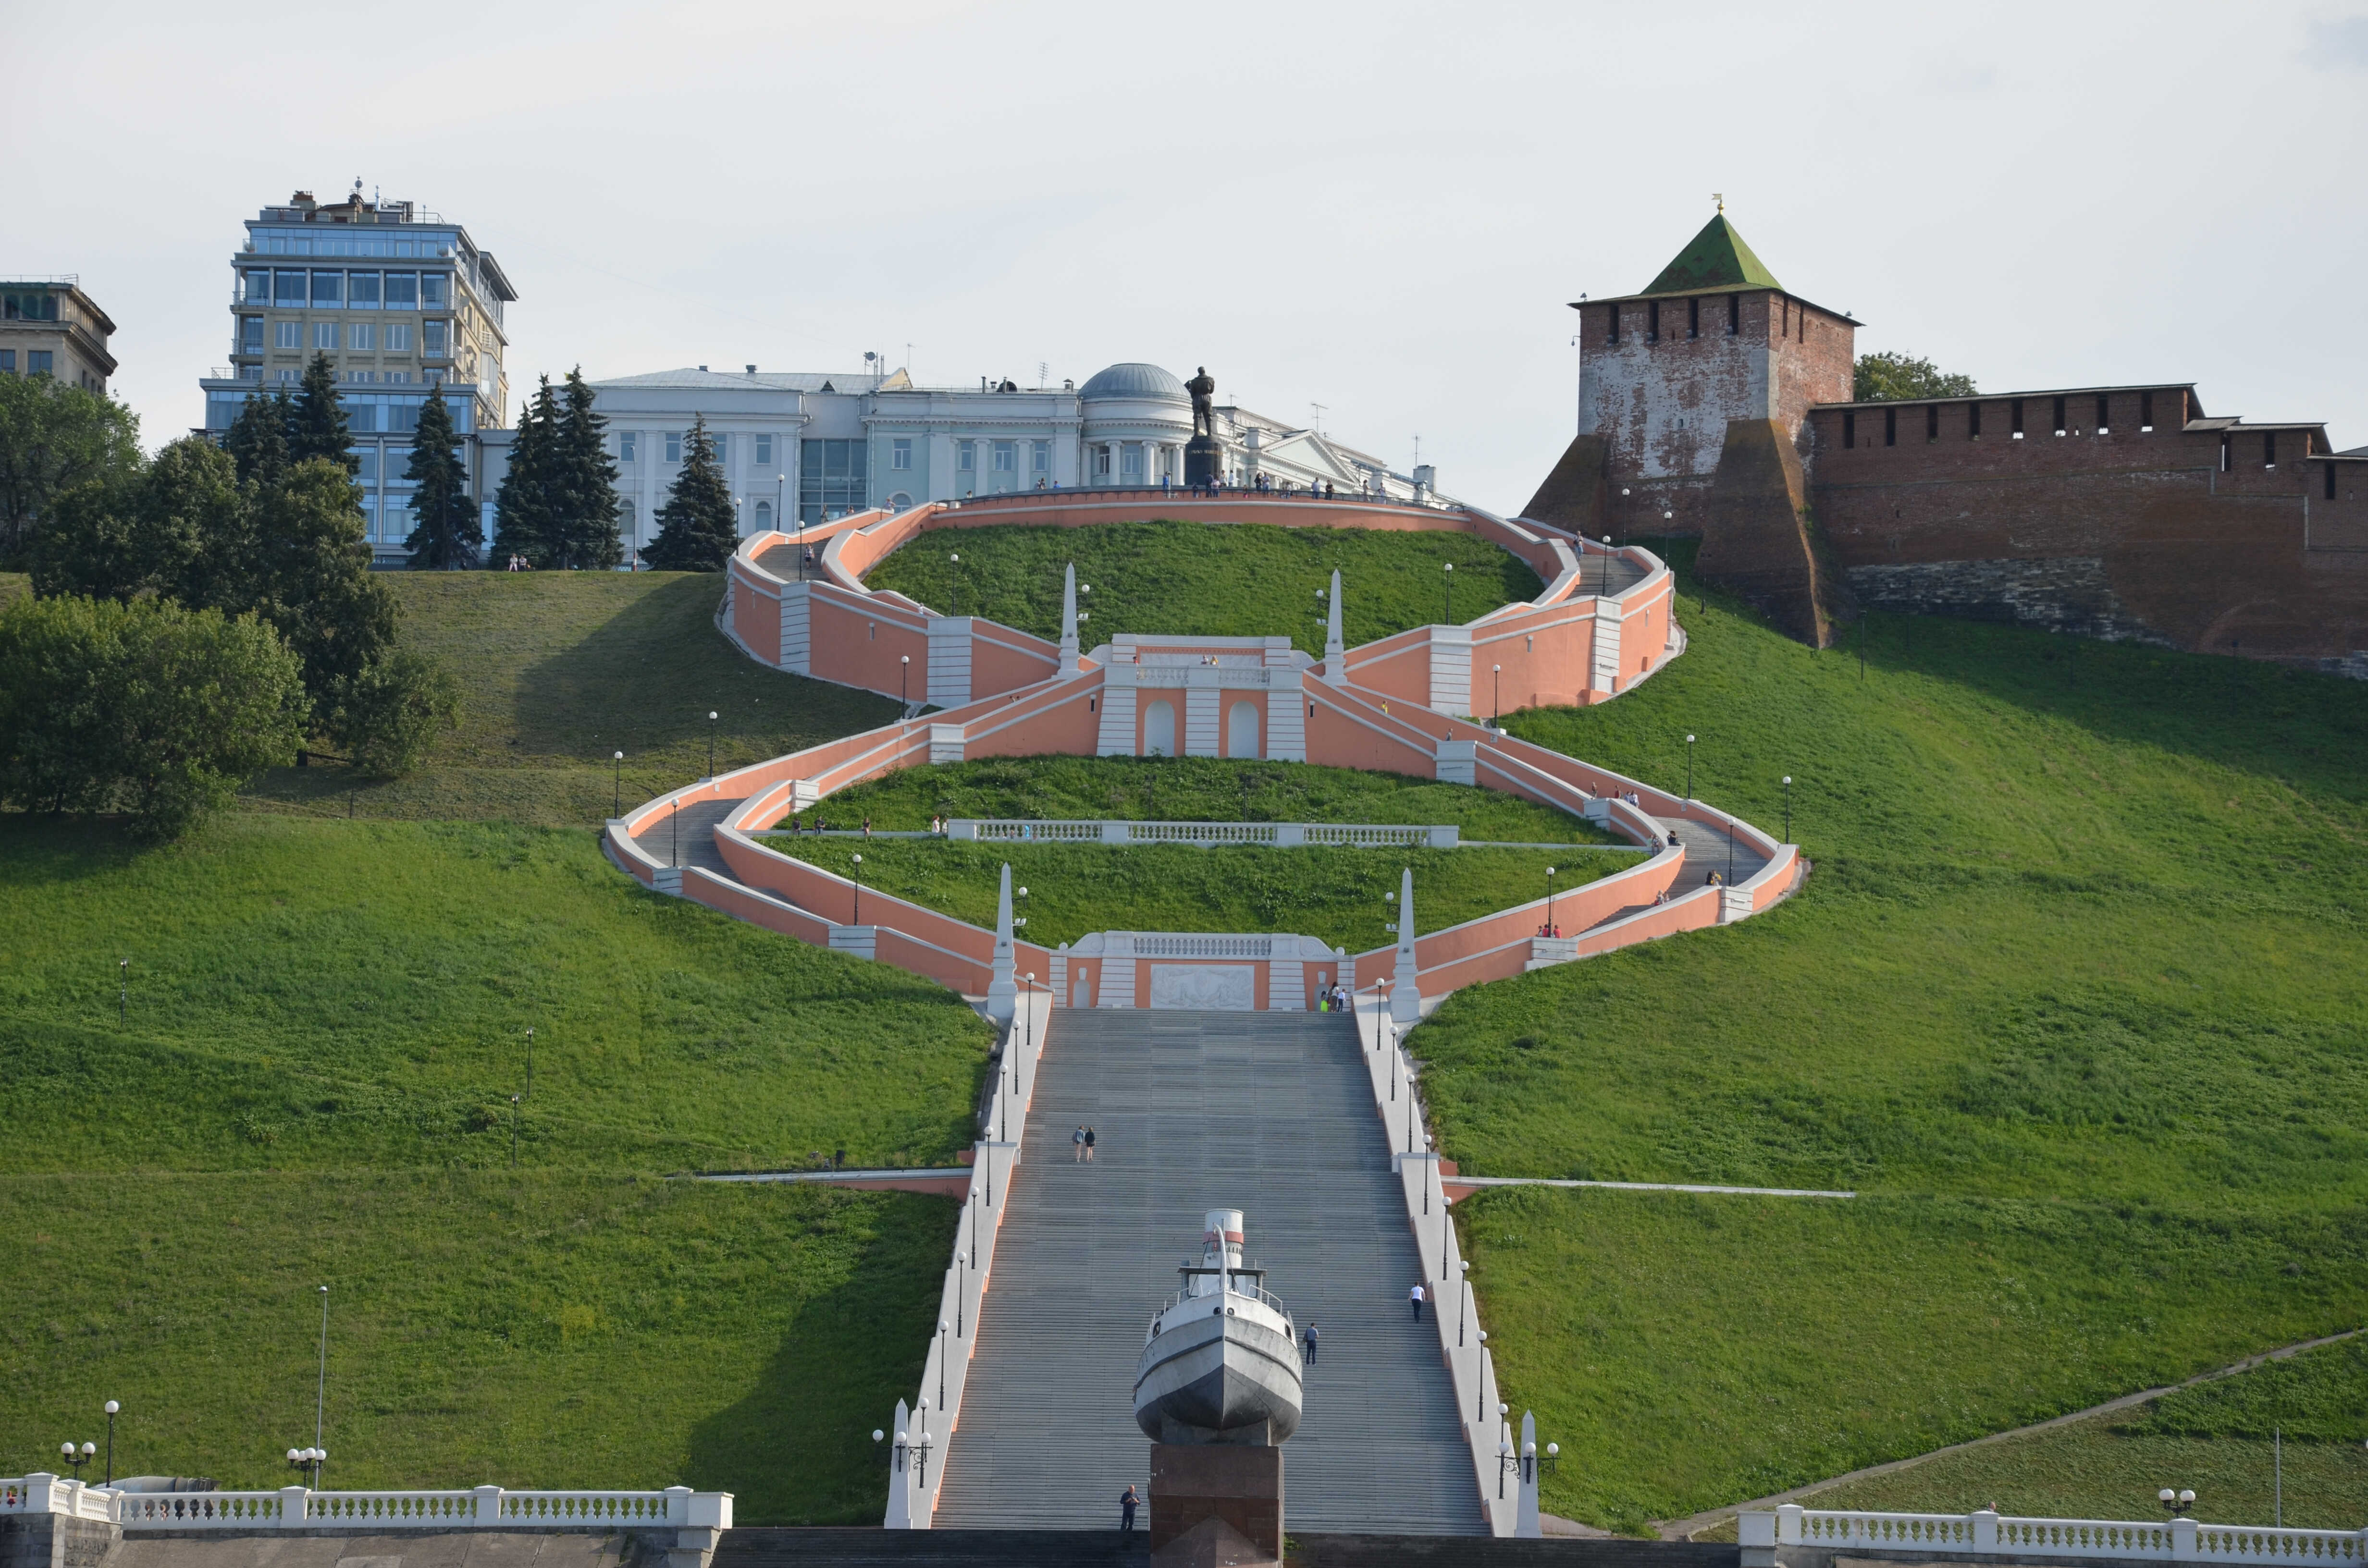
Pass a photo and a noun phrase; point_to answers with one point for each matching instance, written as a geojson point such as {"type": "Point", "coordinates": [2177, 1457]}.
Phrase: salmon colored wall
{"type": "Point", "coordinates": [846, 649]}
{"type": "Point", "coordinates": [1398, 667]}
{"type": "Point", "coordinates": [730, 898]}
{"type": "Point", "coordinates": [757, 618]}
{"type": "Point", "coordinates": [1335, 739]}
{"type": "Point", "coordinates": [1543, 653]}
{"type": "Point", "coordinates": [1005, 660]}
{"type": "Point", "coordinates": [1067, 727]}
{"type": "Point", "coordinates": [890, 946]}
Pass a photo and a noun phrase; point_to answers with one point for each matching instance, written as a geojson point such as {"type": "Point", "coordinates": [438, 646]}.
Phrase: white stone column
{"type": "Point", "coordinates": [1405, 992]}
{"type": "Point", "coordinates": [1002, 988]}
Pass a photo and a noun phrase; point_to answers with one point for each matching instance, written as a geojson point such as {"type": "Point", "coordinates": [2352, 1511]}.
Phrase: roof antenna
{"type": "Point", "coordinates": [1719, 197]}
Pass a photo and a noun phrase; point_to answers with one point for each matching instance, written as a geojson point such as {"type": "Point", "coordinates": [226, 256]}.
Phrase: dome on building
{"type": "Point", "coordinates": [1134, 380]}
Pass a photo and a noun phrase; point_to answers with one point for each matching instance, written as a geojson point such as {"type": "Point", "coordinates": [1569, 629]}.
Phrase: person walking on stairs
{"type": "Point", "coordinates": [1415, 1296]}
{"type": "Point", "coordinates": [1077, 1145]}
{"type": "Point", "coordinates": [1308, 1357]}
{"type": "Point", "coordinates": [1090, 1145]}
{"type": "Point", "coordinates": [1127, 1503]}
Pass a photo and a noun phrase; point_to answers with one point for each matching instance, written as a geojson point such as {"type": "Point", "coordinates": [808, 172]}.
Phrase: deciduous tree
{"type": "Point", "coordinates": [54, 438]}
{"type": "Point", "coordinates": [1887, 377]}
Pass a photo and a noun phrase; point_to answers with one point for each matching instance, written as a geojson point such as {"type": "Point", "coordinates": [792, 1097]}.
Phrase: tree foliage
{"type": "Point", "coordinates": [144, 707]}
{"type": "Point", "coordinates": [54, 438]}
{"type": "Point", "coordinates": [257, 439]}
{"type": "Point", "coordinates": [289, 551]}
{"type": "Point", "coordinates": [447, 537]}
{"type": "Point", "coordinates": [698, 527]}
{"type": "Point", "coordinates": [317, 427]}
{"type": "Point", "coordinates": [558, 503]}
{"type": "Point", "coordinates": [1889, 377]}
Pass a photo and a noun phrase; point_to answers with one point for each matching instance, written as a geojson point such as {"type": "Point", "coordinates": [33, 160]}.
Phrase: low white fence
{"type": "Point", "coordinates": [1992, 1534]}
{"type": "Point", "coordinates": [1278, 835]}
{"type": "Point", "coordinates": [296, 1507]}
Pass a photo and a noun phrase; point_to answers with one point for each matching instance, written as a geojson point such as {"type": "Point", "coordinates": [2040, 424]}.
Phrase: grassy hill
{"type": "Point", "coordinates": [309, 1081]}
{"type": "Point", "coordinates": [1206, 579]}
{"type": "Point", "coordinates": [2073, 996]}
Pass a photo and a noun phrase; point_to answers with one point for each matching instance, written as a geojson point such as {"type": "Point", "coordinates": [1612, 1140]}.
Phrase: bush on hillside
{"type": "Point", "coordinates": [144, 708]}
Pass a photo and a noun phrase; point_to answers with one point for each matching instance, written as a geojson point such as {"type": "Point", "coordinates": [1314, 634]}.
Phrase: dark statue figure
{"type": "Point", "coordinates": [1203, 388]}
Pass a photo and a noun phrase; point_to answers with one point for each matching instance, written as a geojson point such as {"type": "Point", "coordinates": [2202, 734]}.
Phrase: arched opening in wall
{"type": "Point", "coordinates": [1159, 730]}
{"type": "Point", "coordinates": [1082, 993]}
{"type": "Point", "coordinates": [1242, 731]}
{"type": "Point", "coordinates": [900, 502]}
{"type": "Point", "coordinates": [764, 517]}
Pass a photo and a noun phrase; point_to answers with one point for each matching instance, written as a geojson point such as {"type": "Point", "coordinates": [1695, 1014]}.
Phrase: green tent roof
{"type": "Point", "coordinates": [1715, 258]}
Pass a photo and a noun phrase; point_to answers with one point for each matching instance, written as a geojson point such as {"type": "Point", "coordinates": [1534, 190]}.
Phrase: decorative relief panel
{"type": "Point", "coordinates": [1231, 988]}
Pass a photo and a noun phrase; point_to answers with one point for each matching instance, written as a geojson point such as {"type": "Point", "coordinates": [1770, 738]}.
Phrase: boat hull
{"type": "Point", "coordinates": [1218, 1377]}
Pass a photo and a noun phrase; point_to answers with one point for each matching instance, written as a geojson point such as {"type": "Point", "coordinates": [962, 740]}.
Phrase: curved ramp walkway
{"type": "Point", "coordinates": [1271, 1113]}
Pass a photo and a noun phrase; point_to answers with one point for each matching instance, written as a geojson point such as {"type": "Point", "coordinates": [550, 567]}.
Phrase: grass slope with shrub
{"type": "Point", "coordinates": [2073, 997]}
{"type": "Point", "coordinates": [1208, 579]}
{"type": "Point", "coordinates": [309, 1081]}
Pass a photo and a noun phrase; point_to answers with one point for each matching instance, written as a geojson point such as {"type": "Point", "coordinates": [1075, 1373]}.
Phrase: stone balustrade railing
{"type": "Point", "coordinates": [1765, 1534]}
{"type": "Point", "coordinates": [297, 1507]}
{"type": "Point", "coordinates": [1277, 835]}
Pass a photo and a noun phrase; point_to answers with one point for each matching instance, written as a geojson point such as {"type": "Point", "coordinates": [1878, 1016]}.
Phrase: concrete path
{"type": "Point", "coordinates": [1707, 850]}
{"type": "Point", "coordinates": [697, 840]}
{"type": "Point", "coordinates": [1266, 1112]}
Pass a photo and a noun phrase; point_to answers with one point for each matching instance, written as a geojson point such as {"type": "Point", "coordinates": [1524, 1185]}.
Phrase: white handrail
{"type": "Point", "coordinates": [1996, 1535]}
{"type": "Point", "coordinates": [415, 1509]}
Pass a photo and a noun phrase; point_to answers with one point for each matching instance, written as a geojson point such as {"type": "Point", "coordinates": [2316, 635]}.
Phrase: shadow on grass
{"type": "Point", "coordinates": [797, 1448]}
{"type": "Point", "coordinates": [646, 679]}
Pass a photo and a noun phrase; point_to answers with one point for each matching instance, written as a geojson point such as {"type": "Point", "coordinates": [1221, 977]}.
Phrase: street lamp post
{"type": "Point", "coordinates": [78, 1458]}
{"type": "Point", "coordinates": [711, 742]}
{"type": "Point", "coordinates": [514, 1130]}
{"type": "Point", "coordinates": [1690, 767]}
{"type": "Point", "coordinates": [781, 499]}
{"type": "Point", "coordinates": [956, 559]}
{"type": "Point", "coordinates": [616, 786]}
{"type": "Point", "coordinates": [1550, 876]}
{"type": "Point", "coordinates": [904, 679]}
{"type": "Point", "coordinates": [2178, 1502]}
{"type": "Point", "coordinates": [1496, 692]}
{"type": "Point", "coordinates": [1463, 1299]}
{"type": "Point", "coordinates": [111, 1408]}
{"type": "Point", "coordinates": [530, 1060]}
{"type": "Point", "coordinates": [123, 990]}
{"type": "Point", "coordinates": [1607, 566]}
{"type": "Point", "coordinates": [1450, 569]}
{"type": "Point", "coordinates": [941, 1363]}
{"type": "Point", "coordinates": [1788, 808]}
{"type": "Point", "coordinates": [321, 1389]}
{"type": "Point", "coordinates": [858, 879]}
{"type": "Point", "coordinates": [962, 1261]}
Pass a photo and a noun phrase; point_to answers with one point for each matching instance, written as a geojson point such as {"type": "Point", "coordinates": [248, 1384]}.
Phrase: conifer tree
{"type": "Point", "coordinates": [582, 485]}
{"type": "Point", "coordinates": [447, 536]}
{"type": "Point", "coordinates": [257, 438]}
{"type": "Point", "coordinates": [318, 428]}
{"type": "Point", "coordinates": [697, 529]}
{"type": "Point", "coordinates": [522, 518]}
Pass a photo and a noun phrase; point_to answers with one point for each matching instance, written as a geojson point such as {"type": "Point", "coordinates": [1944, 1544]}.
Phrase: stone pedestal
{"type": "Point", "coordinates": [1204, 460]}
{"type": "Point", "coordinates": [1215, 1505]}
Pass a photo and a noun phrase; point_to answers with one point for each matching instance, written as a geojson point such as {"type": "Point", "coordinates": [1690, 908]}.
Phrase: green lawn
{"type": "Point", "coordinates": [554, 1328]}
{"type": "Point", "coordinates": [311, 1080]}
{"type": "Point", "coordinates": [1208, 580]}
{"type": "Point", "coordinates": [561, 670]}
{"type": "Point", "coordinates": [1337, 894]}
{"type": "Point", "coordinates": [2074, 994]}
{"type": "Point", "coordinates": [1195, 789]}
{"type": "Point", "coordinates": [2214, 1438]}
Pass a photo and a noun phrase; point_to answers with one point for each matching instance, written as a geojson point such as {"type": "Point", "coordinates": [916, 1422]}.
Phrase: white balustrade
{"type": "Point", "coordinates": [1285, 834]}
{"type": "Point", "coordinates": [1997, 1535]}
{"type": "Point", "coordinates": [295, 1507]}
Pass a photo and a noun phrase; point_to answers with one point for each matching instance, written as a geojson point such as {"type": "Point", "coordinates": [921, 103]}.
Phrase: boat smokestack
{"type": "Point", "coordinates": [1221, 1240]}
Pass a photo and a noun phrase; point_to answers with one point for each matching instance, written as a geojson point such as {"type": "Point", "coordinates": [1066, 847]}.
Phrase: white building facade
{"type": "Point", "coordinates": [799, 449]}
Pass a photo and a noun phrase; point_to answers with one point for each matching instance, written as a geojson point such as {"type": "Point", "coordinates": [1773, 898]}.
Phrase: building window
{"type": "Point", "coordinates": [965, 455]}
{"type": "Point", "coordinates": [39, 361]}
{"type": "Point", "coordinates": [2269, 451]}
{"type": "Point", "coordinates": [2227, 453]}
{"type": "Point", "coordinates": [1850, 428]}
{"type": "Point", "coordinates": [287, 334]}
{"type": "Point", "coordinates": [674, 446]}
{"type": "Point", "coordinates": [764, 517]}
{"type": "Point", "coordinates": [1006, 457]}
{"type": "Point", "coordinates": [1102, 461]}
{"type": "Point", "coordinates": [398, 338]}
{"type": "Point", "coordinates": [288, 288]}
{"type": "Point", "coordinates": [435, 290]}
{"type": "Point", "coordinates": [1973, 421]}
{"type": "Point", "coordinates": [2145, 411]}
{"type": "Point", "coordinates": [834, 479]}
{"type": "Point", "coordinates": [8, 363]}
{"type": "Point", "coordinates": [1130, 458]}
{"type": "Point", "coordinates": [360, 337]}
{"type": "Point", "coordinates": [2330, 482]}
{"type": "Point", "coordinates": [328, 290]}
{"type": "Point", "coordinates": [287, 375]}
{"type": "Point", "coordinates": [2104, 413]}
{"type": "Point", "coordinates": [250, 331]}
{"type": "Point", "coordinates": [625, 446]}
{"type": "Point", "coordinates": [2060, 424]}
{"type": "Point", "coordinates": [324, 335]}
{"type": "Point", "coordinates": [1694, 316]}
{"type": "Point", "coordinates": [763, 451]}
{"type": "Point", "coordinates": [1734, 314]}
{"type": "Point", "coordinates": [1614, 338]}
{"type": "Point", "coordinates": [1788, 319]}
{"type": "Point", "coordinates": [1932, 422]}
{"type": "Point", "coordinates": [1653, 321]}
{"type": "Point", "coordinates": [1043, 461]}
{"type": "Point", "coordinates": [361, 290]}
{"type": "Point", "coordinates": [2015, 410]}
{"type": "Point", "coordinates": [1891, 426]}
{"type": "Point", "coordinates": [403, 290]}
{"type": "Point", "coordinates": [432, 339]}
{"type": "Point", "coordinates": [258, 289]}
{"type": "Point", "coordinates": [900, 454]}
{"type": "Point", "coordinates": [250, 372]}
{"type": "Point", "coordinates": [723, 443]}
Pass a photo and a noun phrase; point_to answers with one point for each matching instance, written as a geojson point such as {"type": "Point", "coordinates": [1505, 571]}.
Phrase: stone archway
{"type": "Point", "coordinates": [1159, 728]}
{"type": "Point", "coordinates": [1242, 730]}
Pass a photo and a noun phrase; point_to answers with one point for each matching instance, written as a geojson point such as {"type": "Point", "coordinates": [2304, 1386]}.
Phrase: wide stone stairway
{"type": "Point", "coordinates": [1270, 1113]}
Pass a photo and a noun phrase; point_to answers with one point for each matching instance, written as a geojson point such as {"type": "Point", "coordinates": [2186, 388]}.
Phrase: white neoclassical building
{"type": "Point", "coordinates": [802, 448]}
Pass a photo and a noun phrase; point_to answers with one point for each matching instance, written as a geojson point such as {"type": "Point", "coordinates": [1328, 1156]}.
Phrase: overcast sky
{"type": "Point", "coordinates": [1381, 208]}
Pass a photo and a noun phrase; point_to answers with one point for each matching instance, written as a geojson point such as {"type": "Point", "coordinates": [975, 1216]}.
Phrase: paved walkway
{"type": "Point", "coordinates": [1270, 1113]}
{"type": "Point", "coordinates": [696, 836]}
{"type": "Point", "coordinates": [1707, 850]}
